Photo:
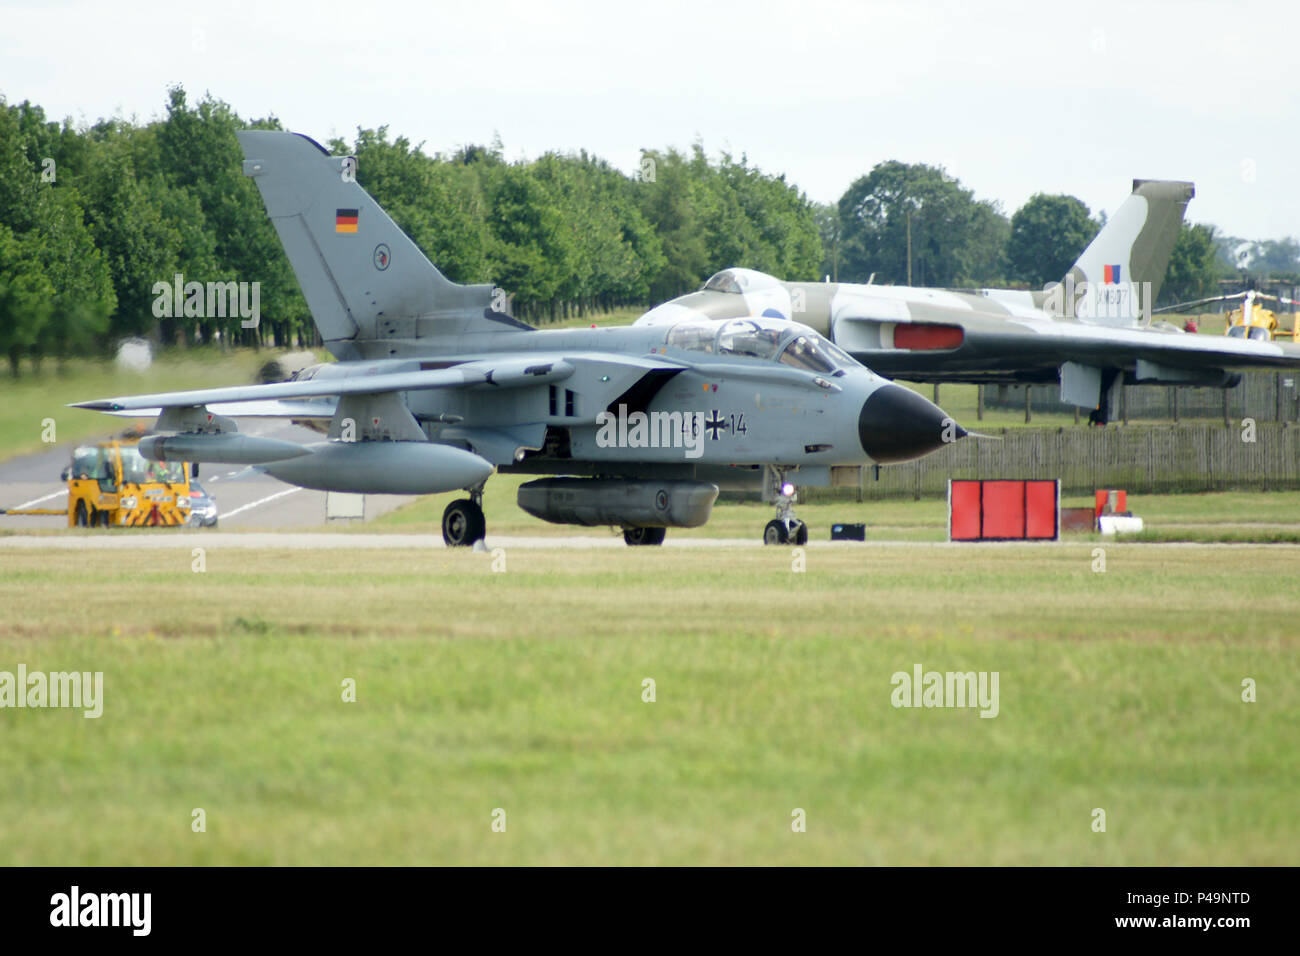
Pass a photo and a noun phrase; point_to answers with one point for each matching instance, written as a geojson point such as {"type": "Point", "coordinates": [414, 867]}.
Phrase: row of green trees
{"type": "Point", "coordinates": [91, 219]}
{"type": "Point", "coordinates": [914, 224]}
{"type": "Point", "coordinates": [571, 232]}
{"type": "Point", "coordinates": [96, 217]}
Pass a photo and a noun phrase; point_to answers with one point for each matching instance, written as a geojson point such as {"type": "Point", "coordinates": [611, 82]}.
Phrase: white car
{"type": "Point", "coordinates": [203, 510]}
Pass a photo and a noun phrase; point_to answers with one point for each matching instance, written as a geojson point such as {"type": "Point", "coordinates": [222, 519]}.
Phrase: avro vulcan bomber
{"type": "Point", "coordinates": [1092, 332]}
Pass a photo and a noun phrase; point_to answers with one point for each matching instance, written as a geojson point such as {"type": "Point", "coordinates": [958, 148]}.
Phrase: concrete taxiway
{"type": "Point", "coordinates": [245, 498]}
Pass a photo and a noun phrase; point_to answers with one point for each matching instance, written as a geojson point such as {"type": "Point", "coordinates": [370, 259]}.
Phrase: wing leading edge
{"type": "Point", "coordinates": [513, 373]}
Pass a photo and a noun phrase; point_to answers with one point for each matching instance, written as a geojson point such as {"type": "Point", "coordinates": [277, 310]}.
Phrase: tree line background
{"type": "Point", "coordinates": [92, 217]}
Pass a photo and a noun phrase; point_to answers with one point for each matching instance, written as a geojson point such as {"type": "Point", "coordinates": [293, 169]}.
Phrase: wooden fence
{"type": "Point", "coordinates": [1186, 457]}
{"type": "Point", "coordinates": [1263, 396]}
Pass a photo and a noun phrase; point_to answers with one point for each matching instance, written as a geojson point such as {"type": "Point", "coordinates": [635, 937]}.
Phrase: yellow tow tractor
{"type": "Point", "coordinates": [111, 484]}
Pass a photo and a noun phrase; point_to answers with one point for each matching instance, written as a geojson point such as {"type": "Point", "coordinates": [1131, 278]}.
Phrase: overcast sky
{"type": "Point", "coordinates": [1013, 98]}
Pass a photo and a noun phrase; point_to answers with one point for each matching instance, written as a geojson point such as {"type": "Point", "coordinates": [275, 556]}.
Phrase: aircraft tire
{"type": "Point", "coordinates": [800, 535]}
{"type": "Point", "coordinates": [776, 533]}
{"type": "Point", "coordinates": [82, 519]}
{"type": "Point", "coordinates": [636, 537]}
{"type": "Point", "coordinates": [463, 524]}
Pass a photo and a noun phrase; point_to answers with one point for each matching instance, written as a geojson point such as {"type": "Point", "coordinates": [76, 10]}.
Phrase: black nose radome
{"type": "Point", "coordinates": [896, 424]}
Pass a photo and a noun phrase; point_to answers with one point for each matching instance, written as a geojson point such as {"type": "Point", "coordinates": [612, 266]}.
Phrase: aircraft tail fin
{"type": "Point", "coordinates": [363, 278]}
{"type": "Point", "coordinates": [1125, 263]}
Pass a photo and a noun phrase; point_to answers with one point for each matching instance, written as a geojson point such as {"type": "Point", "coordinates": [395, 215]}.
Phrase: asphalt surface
{"type": "Point", "coordinates": [245, 499]}
{"type": "Point", "coordinates": [310, 541]}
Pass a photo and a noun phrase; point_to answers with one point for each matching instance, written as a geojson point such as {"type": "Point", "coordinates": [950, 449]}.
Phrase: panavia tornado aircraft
{"type": "Point", "coordinates": [636, 427]}
{"type": "Point", "coordinates": [1092, 332]}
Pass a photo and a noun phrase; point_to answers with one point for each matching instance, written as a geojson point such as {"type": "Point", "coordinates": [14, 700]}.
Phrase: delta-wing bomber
{"type": "Point", "coordinates": [435, 388]}
{"type": "Point", "coordinates": [1091, 332]}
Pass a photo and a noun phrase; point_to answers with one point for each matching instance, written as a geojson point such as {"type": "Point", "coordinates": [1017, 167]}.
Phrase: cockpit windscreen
{"type": "Point", "coordinates": [789, 343]}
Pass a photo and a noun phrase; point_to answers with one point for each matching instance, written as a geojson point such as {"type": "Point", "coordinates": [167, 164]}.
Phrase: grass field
{"type": "Point", "coordinates": [624, 316]}
{"type": "Point", "coordinates": [522, 690]}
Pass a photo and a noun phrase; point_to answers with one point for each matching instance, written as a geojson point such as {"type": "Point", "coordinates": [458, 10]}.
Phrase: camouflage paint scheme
{"type": "Point", "coordinates": [1088, 332]}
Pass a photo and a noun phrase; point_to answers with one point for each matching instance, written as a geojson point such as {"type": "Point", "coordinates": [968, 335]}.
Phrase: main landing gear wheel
{"type": "Point", "coordinates": [463, 523]}
{"type": "Point", "coordinates": [642, 536]}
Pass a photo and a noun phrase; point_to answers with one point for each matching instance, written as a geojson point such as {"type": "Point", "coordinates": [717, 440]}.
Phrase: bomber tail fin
{"type": "Point", "coordinates": [1127, 259]}
{"type": "Point", "coordinates": [363, 278]}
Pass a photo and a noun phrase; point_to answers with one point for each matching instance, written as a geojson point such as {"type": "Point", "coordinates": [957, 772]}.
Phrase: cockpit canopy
{"type": "Point", "coordinates": [740, 281]}
{"type": "Point", "coordinates": [789, 343]}
{"type": "Point", "coordinates": [1254, 332]}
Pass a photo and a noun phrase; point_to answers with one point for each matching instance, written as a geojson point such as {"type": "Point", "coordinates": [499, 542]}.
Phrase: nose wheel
{"type": "Point", "coordinates": [778, 532]}
{"type": "Point", "coordinates": [785, 528]}
{"type": "Point", "coordinates": [463, 522]}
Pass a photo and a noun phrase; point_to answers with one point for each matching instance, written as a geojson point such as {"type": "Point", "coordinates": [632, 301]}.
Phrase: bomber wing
{"type": "Point", "coordinates": [933, 344]}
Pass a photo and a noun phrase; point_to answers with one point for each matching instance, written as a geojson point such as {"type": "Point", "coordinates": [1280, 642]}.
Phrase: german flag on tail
{"type": "Point", "coordinates": [345, 220]}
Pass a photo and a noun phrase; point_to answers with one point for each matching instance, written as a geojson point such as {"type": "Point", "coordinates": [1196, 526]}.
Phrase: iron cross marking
{"type": "Point", "coordinates": [714, 424]}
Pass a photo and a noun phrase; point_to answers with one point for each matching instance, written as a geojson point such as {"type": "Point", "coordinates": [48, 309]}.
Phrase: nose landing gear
{"type": "Point", "coordinates": [785, 528]}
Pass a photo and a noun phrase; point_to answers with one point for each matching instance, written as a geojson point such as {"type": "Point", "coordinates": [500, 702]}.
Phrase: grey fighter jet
{"type": "Point", "coordinates": [435, 387]}
{"type": "Point", "coordinates": [1091, 332]}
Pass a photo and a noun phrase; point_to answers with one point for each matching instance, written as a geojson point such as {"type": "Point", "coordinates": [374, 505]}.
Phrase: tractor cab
{"type": "Point", "coordinates": [111, 484]}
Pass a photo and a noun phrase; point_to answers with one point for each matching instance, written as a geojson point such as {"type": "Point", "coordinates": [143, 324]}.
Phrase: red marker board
{"type": "Point", "coordinates": [1004, 510]}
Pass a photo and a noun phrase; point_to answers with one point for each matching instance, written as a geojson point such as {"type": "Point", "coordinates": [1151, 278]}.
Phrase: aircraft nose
{"type": "Point", "coordinates": [896, 424]}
